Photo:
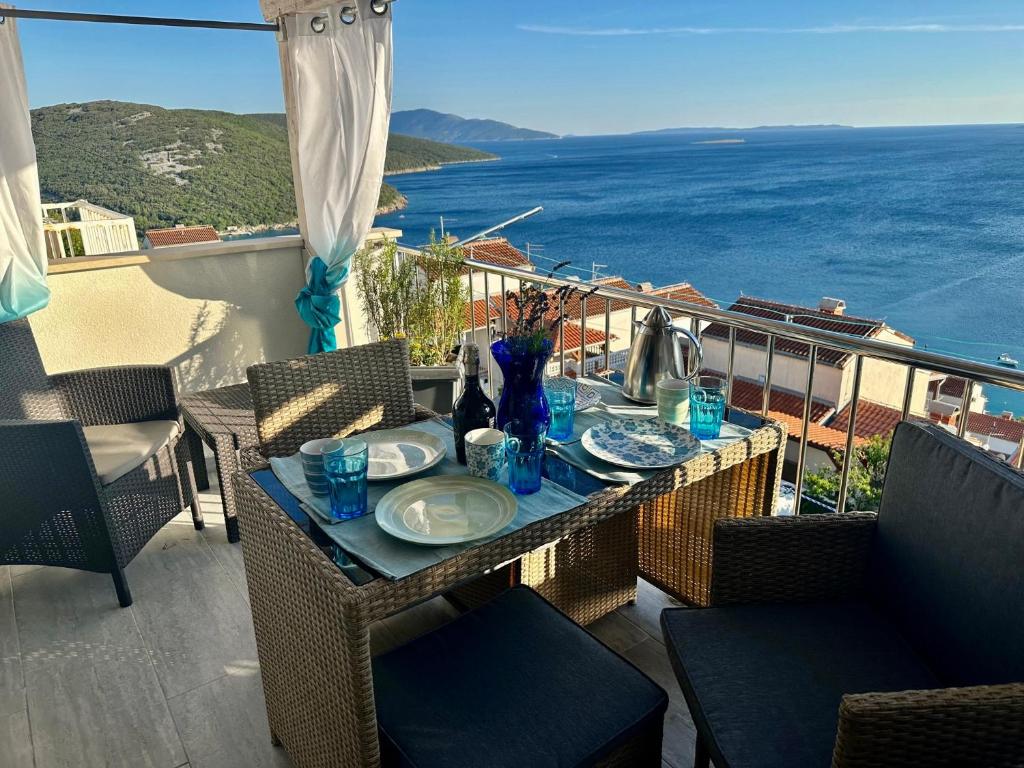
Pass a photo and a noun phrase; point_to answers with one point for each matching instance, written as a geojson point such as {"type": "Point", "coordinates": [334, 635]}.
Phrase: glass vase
{"type": "Point", "coordinates": [522, 361]}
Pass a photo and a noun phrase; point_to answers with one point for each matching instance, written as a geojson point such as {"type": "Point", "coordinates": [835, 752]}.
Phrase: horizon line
{"type": "Point", "coordinates": [834, 29]}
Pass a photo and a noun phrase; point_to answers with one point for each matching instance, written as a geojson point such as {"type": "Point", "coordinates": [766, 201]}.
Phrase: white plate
{"type": "Point", "coordinates": [586, 396]}
{"type": "Point", "coordinates": [395, 453]}
{"type": "Point", "coordinates": [446, 510]}
{"type": "Point", "coordinates": [640, 443]}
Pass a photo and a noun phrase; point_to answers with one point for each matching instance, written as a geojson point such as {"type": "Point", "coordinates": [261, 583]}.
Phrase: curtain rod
{"type": "Point", "coordinates": [150, 21]}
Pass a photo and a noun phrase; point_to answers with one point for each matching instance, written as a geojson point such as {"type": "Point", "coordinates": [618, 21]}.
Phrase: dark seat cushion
{"type": "Point", "coordinates": [513, 683]}
{"type": "Point", "coordinates": [764, 682]}
{"type": "Point", "coordinates": [947, 561]}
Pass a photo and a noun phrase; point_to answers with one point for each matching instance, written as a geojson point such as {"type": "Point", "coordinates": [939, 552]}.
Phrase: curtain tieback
{"type": "Point", "coordinates": [320, 307]}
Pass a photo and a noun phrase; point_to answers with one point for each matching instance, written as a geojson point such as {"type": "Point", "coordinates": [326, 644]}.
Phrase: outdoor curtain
{"type": "Point", "coordinates": [22, 247]}
{"type": "Point", "coordinates": [338, 97]}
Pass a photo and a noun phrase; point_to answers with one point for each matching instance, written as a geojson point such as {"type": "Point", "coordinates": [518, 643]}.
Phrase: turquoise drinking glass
{"type": "Point", "coordinates": [561, 394]}
{"type": "Point", "coordinates": [524, 454]}
{"type": "Point", "coordinates": [346, 469]}
{"type": "Point", "coordinates": [707, 407]}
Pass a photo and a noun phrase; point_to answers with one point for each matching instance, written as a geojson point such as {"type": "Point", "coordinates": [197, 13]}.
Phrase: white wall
{"type": "Point", "coordinates": [209, 311]}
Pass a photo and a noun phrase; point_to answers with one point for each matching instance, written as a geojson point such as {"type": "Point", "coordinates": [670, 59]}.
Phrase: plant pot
{"type": "Point", "coordinates": [433, 386]}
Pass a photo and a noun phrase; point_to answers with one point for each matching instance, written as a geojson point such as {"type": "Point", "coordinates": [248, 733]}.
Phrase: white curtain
{"type": "Point", "coordinates": [337, 79]}
{"type": "Point", "coordinates": [22, 247]}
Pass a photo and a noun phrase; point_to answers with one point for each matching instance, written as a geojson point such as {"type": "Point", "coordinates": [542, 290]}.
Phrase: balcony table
{"type": "Point", "coordinates": [312, 617]}
{"type": "Point", "coordinates": [223, 420]}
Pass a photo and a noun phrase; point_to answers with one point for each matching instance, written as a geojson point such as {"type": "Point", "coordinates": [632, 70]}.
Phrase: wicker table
{"type": "Point", "coordinates": [223, 420]}
{"type": "Point", "coordinates": [312, 622]}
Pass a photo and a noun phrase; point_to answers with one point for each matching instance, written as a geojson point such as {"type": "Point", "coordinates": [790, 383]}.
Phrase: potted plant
{"type": "Point", "coordinates": [420, 298]}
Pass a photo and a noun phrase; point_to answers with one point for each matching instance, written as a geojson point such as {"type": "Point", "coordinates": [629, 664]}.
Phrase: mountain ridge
{"type": "Point", "coordinates": [186, 166]}
{"type": "Point", "coordinates": [447, 127]}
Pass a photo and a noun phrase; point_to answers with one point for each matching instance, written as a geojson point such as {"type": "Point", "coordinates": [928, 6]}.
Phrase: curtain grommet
{"type": "Point", "coordinates": [347, 16]}
{"type": "Point", "coordinates": [380, 7]}
{"type": "Point", "coordinates": [318, 24]}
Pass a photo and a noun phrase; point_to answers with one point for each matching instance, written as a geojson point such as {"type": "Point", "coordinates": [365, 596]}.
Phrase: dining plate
{"type": "Point", "coordinates": [586, 396]}
{"type": "Point", "coordinates": [640, 443]}
{"type": "Point", "coordinates": [395, 453]}
{"type": "Point", "coordinates": [446, 510]}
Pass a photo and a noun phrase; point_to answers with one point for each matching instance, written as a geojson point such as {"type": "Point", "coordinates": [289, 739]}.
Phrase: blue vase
{"type": "Point", "coordinates": [522, 366]}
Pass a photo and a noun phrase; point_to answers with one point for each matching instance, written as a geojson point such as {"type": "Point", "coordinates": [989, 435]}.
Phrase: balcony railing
{"type": "Point", "coordinates": [83, 229]}
{"type": "Point", "coordinates": [913, 360]}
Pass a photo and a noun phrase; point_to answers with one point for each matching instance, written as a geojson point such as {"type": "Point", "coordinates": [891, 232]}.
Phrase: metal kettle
{"type": "Point", "coordinates": [657, 353]}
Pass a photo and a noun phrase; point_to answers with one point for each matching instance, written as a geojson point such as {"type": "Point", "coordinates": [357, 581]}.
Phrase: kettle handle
{"type": "Point", "coordinates": [695, 342]}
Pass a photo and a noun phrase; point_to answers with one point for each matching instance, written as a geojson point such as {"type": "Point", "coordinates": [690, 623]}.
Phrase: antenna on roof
{"type": "Point", "coordinates": [497, 227]}
{"type": "Point", "coordinates": [534, 246]}
{"type": "Point", "coordinates": [593, 270]}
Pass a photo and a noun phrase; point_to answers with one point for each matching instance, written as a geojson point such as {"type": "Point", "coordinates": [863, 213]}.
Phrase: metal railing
{"type": "Point", "coordinates": [861, 348]}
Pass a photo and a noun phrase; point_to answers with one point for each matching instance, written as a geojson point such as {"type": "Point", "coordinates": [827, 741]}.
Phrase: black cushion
{"type": "Point", "coordinates": [764, 682]}
{"type": "Point", "coordinates": [513, 683]}
{"type": "Point", "coordinates": [947, 562]}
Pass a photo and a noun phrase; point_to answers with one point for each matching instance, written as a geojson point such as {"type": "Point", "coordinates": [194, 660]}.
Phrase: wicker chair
{"type": "Point", "coordinates": [91, 462]}
{"type": "Point", "coordinates": [868, 640]}
{"type": "Point", "coordinates": [334, 394]}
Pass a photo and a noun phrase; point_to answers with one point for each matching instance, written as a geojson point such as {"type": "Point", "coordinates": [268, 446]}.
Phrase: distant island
{"type": "Point", "coordinates": [719, 129]}
{"type": "Point", "coordinates": [437, 126]}
{"type": "Point", "coordinates": [721, 141]}
{"type": "Point", "coordinates": [188, 166]}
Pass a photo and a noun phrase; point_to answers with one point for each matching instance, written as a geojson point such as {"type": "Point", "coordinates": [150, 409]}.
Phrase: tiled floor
{"type": "Point", "coordinates": [173, 681]}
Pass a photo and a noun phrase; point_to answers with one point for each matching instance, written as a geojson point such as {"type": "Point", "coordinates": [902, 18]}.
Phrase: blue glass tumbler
{"type": "Point", "coordinates": [561, 394]}
{"type": "Point", "coordinates": [346, 469]}
{"type": "Point", "coordinates": [524, 454]}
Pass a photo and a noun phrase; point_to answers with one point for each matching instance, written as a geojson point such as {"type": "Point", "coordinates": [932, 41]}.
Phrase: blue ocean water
{"type": "Point", "coordinates": [922, 227]}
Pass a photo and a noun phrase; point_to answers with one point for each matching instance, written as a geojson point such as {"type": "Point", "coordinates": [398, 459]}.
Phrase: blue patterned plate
{"type": "Point", "coordinates": [586, 396]}
{"type": "Point", "coordinates": [640, 443]}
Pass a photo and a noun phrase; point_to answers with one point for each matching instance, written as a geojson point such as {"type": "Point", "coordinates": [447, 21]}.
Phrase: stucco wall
{"type": "Point", "coordinates": [207, 311]}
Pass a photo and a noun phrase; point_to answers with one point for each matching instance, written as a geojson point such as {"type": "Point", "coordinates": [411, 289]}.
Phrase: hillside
{"type": "Point", "coordinates": [187, 166]}
{"type": "Point", "coordinates": [428, 124]}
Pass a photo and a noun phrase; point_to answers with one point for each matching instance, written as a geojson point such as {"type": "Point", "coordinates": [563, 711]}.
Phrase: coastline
{"type": "Point", "coordinates": [439, 166]}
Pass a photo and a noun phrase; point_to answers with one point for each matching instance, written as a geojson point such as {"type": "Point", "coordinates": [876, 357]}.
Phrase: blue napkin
{"type": "Point", "coordinates": [364, 540]}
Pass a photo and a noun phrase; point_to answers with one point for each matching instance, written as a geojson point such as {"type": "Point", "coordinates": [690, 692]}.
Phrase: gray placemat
{"type": "Point", "coordinates": [363, 539]}
{"type": "Point", "coordinates": [614, 406]}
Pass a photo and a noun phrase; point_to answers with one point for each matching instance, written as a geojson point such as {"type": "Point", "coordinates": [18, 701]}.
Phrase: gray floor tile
{"type": "Point", "coordinates": [192, 616]}
{"type": "Point", "coordinates": [67, 617]}
{"type": "Point", "coordinates": [15, 735]}
{"type": "Point", "coordinates": [224, 725]}
{"type": "Point", "coordinates": [8, 628]}
{"type": "Point", "coordinates": [646, 614]}
{"type": "Point", "coordinates": [107, 714]}
{"type": "Point", "coordinates": [680, 735]}
{"type": "Point", "coordinates": [617, 632]}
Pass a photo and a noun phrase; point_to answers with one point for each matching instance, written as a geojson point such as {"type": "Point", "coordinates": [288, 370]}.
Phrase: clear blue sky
{"type": "Point", "coordinates": [584, 67]}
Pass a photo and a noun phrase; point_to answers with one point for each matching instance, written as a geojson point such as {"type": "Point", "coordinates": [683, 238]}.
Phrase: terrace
{"type": "Point", "coordinates": [175, 679]}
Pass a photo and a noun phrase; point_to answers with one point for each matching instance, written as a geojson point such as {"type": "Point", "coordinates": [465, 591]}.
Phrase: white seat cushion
{"type": "Point", "coordinates": [117, 449]}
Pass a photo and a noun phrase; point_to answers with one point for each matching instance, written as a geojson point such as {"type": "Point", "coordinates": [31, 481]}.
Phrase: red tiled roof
{"type": "Point", "coordinates": [571, 334]}
{"type": "Point", "coordinates": [496, 250]}
{"type": "Point", "coordinates": [481, 315]}
{"type": "Point", "coordinates": [952, 386]}
{"type": "Point", "coordinates": [807, 316]}
{"type": "Point", "coordinates": [596, 304]}
{"type": "Point", "coordinates": [749, 396]}
{"type": "Point", "coordinates": [995, 426]}
{"type": "Point", "coordinates": [160, 238]}
{"type": "Point", "coordinates": [872, 419]}
{"type": "Point", "coordinates": [683, 292]}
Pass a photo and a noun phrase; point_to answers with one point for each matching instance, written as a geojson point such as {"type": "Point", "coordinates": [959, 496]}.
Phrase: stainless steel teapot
{"type": "Point", "coordinates": [657, 353]}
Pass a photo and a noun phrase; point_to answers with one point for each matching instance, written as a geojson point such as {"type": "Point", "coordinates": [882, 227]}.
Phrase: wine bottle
{"type": "Point", "coordinates": [473, 409]}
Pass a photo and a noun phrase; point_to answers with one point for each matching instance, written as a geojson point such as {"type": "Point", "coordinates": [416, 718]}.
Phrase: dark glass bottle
{"type": "Point", "coordinates": [473, 409]}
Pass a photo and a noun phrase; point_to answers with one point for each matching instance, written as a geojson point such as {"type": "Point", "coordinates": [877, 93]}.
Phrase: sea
{"type": "Point", "coordinates": [922, 227]}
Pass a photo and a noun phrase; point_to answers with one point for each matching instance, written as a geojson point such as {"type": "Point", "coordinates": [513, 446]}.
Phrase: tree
{"type": "Point", "coordinates": [867, 475]}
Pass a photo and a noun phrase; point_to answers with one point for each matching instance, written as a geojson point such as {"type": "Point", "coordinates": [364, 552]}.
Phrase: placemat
{"type": "Point", "coordinates": [363, 539]}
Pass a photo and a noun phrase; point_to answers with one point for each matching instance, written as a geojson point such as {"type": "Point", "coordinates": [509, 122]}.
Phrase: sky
{"type": "Point", "coordinates": [582, 66]}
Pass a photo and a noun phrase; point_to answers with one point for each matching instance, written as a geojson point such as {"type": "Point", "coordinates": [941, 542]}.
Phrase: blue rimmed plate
{"type": "Point", "coordinates": [640, 443]}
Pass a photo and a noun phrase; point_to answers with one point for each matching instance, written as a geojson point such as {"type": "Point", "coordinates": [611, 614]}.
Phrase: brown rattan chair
{"type": "Point", "coordinates": [868, 640]}
{"type": "Point", "coordinates": [333, 394]}
{"type": "Point", "coordinates": [91, 462]}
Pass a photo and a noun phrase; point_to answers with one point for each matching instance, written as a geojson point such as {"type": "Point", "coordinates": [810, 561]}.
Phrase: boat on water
{"type": "Point", "coordinates": [1006, 361]}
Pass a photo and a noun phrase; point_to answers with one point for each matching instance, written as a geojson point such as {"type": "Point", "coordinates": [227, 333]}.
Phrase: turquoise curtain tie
{"type": "Point", "coordinates": [320, 307]}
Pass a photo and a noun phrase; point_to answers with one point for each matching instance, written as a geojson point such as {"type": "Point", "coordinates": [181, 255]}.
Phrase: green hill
{"type": "Point", "coordinates": [189, 166]}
